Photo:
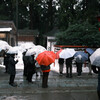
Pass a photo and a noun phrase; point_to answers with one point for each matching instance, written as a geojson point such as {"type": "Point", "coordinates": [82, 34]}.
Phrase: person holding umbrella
{"type": "Point", "coordinates": [45, 70]}
{"type": "Point", "coordinates": [25, 61]}
{"type": "Point", "coordinates": [95, 63]}
{"type": "Point", "coordinates": [12, 69]}
{"type": "Point", "coordinates": [80, 58]}
{"type": "Point", "coordinates": [89, 51]}
{"type": "Point", "coordinates": [68, 54]}
{"type": "Point", "coordinates": [69, 67]}
{"type": "Point", "coordinates": [44, 59]}
{"type": "Point", "coordinates": [61, 63]}
{"type": "Point", "coordinates": [96, 70]}
{"type": "Point", "coordinates": [31, 68]}
{"type": "Point", "coordinates": [6, 60]}
{"type": "Point", "coordinates": [79, 63]}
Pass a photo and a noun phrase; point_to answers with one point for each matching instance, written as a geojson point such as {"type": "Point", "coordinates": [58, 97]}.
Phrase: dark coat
{"type": "Point", "coordinates": [69, 61]}
{"type": "Point", "coordinates": [60, 60]}
{"type": "Point", "coordinates": [45, 68]}
{"type": "Point", "coordinates": [97, 71]}
{"type": "Point", "coordinates": [31, 68]}
{"type": "Point", "coordinates": [11, 66]}
{"type": "Point", "coordinates": [6, 59]}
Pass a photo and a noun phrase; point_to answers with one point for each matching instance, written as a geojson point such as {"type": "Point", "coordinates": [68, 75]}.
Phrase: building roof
{"type": "Point", "coordinates": [7, 24]}
{"type": "Point", "coordinates": [5, 29]}
{"type": "Point", "coordinates": [28, 32]}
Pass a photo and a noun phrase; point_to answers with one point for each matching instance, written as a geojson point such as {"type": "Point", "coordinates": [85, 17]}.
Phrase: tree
{"type": "Point", "coordinates": [79, 34]}
{"type": "Point", "coordinates": [66, 13]}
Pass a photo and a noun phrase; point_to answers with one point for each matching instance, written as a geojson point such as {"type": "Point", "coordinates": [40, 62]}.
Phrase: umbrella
{"type": "Point", "coordinates": [89, 50]}
{"type": "Point", "coordinates": [40, 47]}
{"type": "Point", "coordinates": [57, 53]}
{"type": "Point", "coordinates": [27, 45]}
{"type": "Point", "coordinates": [67, 53]}
{"type": "Point", "coordinates": [35, 50]}
{"type": "Point", "coordinates": [46, 58]}
{"type": "Point", "coordinates": [4, 45]}
{"type": "Point", "coordinates": [14, 50]}
{"type": "Point", "coordinates": [30, 52]}
{"type": "Point", "coordinates": [95, 58]}
{"type": "Point", "coordinates": [81, 56]}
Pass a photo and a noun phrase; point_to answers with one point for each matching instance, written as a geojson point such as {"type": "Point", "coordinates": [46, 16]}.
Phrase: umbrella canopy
{"type": "Point", "coordinates": [57, 53]}
{"type": "Point", "coordinates": [95, 58]}
{"type": "Point", "coordinates": [67, 53]}
{"type": "Point", "coordinates": [89, 50]}
{"type": "Point", "coordinates": [81, 56]}
{"type": "Point", "coordinates": [27, 45]}
{"type": "Point", "coordinates": [4, 45]}
{"type": "Point", "coordinates": [40, 47]}
{"type": "Point", "coordinates": [46, 58]}
{"type": "Point", "coordinates": [14, 50]}
{"type": "Point", "coordinates": [35, 50]}
{"type": "Point", "coordinates": [30, 52]}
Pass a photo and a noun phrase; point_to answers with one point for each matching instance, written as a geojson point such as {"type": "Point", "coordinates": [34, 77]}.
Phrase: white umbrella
{"type": "Point", "coordinates": [40, 47]}
{"type": "Point", "coordinates": [67, 53]}
{"type": "Point", "coordinates": [30, 52]}
{"type": "Point", "coordinates": [4, 45]}
{"type": "Point", "coordinates": [3, 42]}
{"type": "Point", "coordinates": [27, 45]}
{"type": "Point", "coordinates": [35, 50]}
{"type": "Point", "coordinates": [14, 50]}
{"type": "Point", "coordinates": [95, 58]}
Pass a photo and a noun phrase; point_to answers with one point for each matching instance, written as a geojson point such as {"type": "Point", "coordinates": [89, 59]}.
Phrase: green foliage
{"type": "Point", "coordinates": [79, 34]}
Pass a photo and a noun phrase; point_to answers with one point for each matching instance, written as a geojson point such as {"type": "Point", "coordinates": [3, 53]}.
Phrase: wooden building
{"type": "Point", "coordinates": [8, 32]}
{"type": "Point", "coordinates": [28, 36]}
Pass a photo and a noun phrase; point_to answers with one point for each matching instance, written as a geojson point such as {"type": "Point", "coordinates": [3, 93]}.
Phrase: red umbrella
{"type": "Point", "coordinates": [46, 58]}
{"type": "Point", "coordinates": [57, 53]}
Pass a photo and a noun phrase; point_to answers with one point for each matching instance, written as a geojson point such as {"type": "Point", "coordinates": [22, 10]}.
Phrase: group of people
{"type": "Point", "coordinates": [30, 67]}
{"type": "Point", "coordinates": [68, 62]}
{"type": "Point", "coordinates": [68, 66]}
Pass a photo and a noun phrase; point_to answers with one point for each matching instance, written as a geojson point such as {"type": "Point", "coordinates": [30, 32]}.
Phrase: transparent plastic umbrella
{"type": "Point", "coordinates": [67, 53]}
{"type": "Point", "coordinates": [95, 58]}
{"type": "Point", "coordinates": [27, 45]}
{"type": "Point", "coordinates": [4, 45]}
{"type": "Point", "coordinates": [14, 50]}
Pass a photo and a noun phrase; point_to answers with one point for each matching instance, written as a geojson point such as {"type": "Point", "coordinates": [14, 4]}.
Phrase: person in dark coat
{"type": "Point", "coordinates": [12, 69]}
{"type": "Point", "coordinates": [31, 69]}
{"type": "Point", "coordinates": [69, 67]}
{"type": "Point", "coordinates": [79, 64]}
{"type": "Point", "coordinates": [89, 65]}
{"type": "Point", "coordinates": [45, 70]}
{"type": "Point", "coordinates": [25, 64]}
{"type": "Point", "coordinates": [61, 65]}
{"type": "Point", "coordinates": [96, 70]}
{"type": "Point", "coordinates": [6, 60]}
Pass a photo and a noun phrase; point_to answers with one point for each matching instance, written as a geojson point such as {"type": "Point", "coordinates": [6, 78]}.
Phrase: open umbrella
{"type": "Point", "coordinates": [14, 50]}
{"type": "Point", "coordinates": [57, 53]}
{"type": "Point", "coordinates": [89, 50]}
{"type": "Point", "coordinates": [67, 53]}
{"type": "Point", "coordinates": [4, 45]}
{"type": "Point", "coordinates": [27, 45]}
{"type": "Point", "coordinates": [81, 56]}
{"type": "Point", "coordinates": [46, 58]}
{"type": "Point", "coordinates": [35, 50]}
{"type": "Point", "coordinates": [95, 58]}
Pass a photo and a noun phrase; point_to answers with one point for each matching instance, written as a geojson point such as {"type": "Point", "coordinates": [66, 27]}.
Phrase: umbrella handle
{"type": "Point", "coordinates": [85, 64]}
{"type": "Point", "coordinates": [54, 64]}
